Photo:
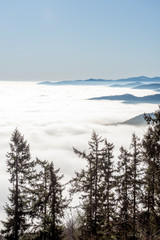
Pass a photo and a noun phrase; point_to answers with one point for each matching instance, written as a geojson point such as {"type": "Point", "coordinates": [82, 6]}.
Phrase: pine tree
{"type": "Point", "coordinates": [57, 204]}
{"type": "Point", "coordinates": [49, 205]}
{"type": "Point", "coordinates": [123, 187]}
{"type": "Point", "coordinates": [151, 158]}
{"type": "Point", "coordinates": [95, 185]}
{"type": "Point", "coordinates": [21, 170]}
{"type": "Point", "coordinates": [107, 185]}
{"type": "Point", "coordinates": [136, 183]}
{"type": "Point", "coordinates": [40, 217]}
{"type": "Point", "coordinates": [86, 182]}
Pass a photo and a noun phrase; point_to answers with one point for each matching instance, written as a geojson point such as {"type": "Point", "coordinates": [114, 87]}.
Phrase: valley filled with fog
{"type": "Point", "coordinates": [54, 119]}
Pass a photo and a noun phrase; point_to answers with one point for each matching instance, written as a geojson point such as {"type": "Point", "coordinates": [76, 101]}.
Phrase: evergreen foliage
{"type": "Point", "coordinates": [107, 193]}
{"type": "Point", "coordinates": [48, 202]}
{"type": "Point", "coordinates": [151, 158]}
{"type": "Point", "coordinates": [136, 184]}
{"type": "Point", "coordinates": [21, 171]}
{"type": "Point", "coordinates": [123, 188]}
{"type": "Point", "coordinates": [116, 202]}
{"type": "Point", "coordinates": [95, 184]}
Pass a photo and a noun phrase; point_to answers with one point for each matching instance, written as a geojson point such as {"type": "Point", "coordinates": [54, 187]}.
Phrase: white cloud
{"type": "Point", "coordinates": [61, 119]}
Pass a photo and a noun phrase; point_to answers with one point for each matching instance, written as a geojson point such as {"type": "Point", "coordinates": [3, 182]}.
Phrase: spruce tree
{"type": "Point", "coordinates": [95, 185]}
{"type": "Point", "coordinates": [151, 157]}
{"type": "Point", "coordinates": [50, 204]}
{"type": "Point", "coordinates": [136, 184]}
{"type": "Point", "coordinates": [87, 183]}
{"type": "Point", "coordinates": [106, 191]}
{"type": "Point", "coordinates": [40, 217]}
{"type": "Point", "coordinates": [21, 170]}
{"type": "Point", "coordinates": [123, 187]}
{"type": "Point", "coordinates": [57, 204]}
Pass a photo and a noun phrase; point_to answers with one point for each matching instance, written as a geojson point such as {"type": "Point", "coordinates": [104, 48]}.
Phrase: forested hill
{"type": "Point", "coordinates": [129, 98]}
{"type": "Point", "coordinates": [152, 86]}
{"type": "Point", "coordinates": [137, 120]}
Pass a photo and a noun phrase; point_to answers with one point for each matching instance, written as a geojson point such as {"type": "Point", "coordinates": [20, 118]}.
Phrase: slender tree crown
{"type": "Point", "coordinates": [20, 168]}
{"type": "Point", "coordinates": [95, 184]}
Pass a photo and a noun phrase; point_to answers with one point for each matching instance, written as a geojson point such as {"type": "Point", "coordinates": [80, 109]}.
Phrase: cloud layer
{"type": "Point", "coordinates": [53, 119]}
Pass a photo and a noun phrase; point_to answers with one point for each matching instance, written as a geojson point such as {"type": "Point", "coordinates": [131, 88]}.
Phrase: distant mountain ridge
{"type": "Point", "coordinates": [138, 120]}
{"type": "Point", "coordinates": [140, 80]}
{"type": "Point", "coordinates": [128, 85]}
{"type": "Point", "coordinates": [152, 86]}
{"type": "Point", "coordinates": [79, 82]}
{"type": "Point", "coordinates": [129, 98]}
{"type": "Point", "coordinates": [135, 121]}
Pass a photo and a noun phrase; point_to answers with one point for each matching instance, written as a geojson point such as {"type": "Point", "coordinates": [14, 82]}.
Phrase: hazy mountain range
{"type": "Point", "coordinates": [152, 86]}
{"type": "Point", "coordinates": [141, 82]}
{"type": "Point", "coordinates": [135, 121]}
{"type": "Point", "coordinates": [129, 98]}
{"type": "Point", "coordinates": [138, 120]}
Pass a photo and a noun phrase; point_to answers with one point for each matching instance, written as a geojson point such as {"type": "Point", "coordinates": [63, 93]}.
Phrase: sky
{"type": "Point", "coordinates": [79, 39]}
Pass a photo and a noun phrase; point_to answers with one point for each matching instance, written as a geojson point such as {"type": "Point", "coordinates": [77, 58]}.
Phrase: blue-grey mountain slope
{"type": "Point", "coordinates": [137, 121]}
{"type": "Point", "coordinates": [129, 98]}
{"type": "Point", "coordinates": [152, 86]}
{"type": "Point", "coordinates": [45, 83]}
{"type": "Point", "coordinates": [128, 85]}
{"type": "Point", "coordinates": [133, 81]}
{"type": "Point", "coordinates": [79, 82]}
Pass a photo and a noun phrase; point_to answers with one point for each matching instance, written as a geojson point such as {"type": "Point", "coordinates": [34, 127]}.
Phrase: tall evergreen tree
{"type": "Point", "coordinates": [57, 204]}
{"type": "Point", "coordinates": [95, 184]}
{"type": "Point", "coordinates": [50, 204]}
{"type": "Point", "coordinates": [106, 191]}
{"type": "Point", "coordinates": [40, 217]}
{"type": "Point", "coordinates": [123, 187]}
{"type": "Point", "coordinates": [136, 183]}
{"type": "Point", "coordinates": [21, 170]}
{"type": "Point", "coordinates": [87, 183]}
{"type": "Point", "coordinates": [151, 158]}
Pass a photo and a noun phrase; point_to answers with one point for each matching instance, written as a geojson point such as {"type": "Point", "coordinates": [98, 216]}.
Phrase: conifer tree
{"type": "Point", "coordinates": [123, 187]}
{"type": "Point", "coordinates": [136, 183]}
{"type": "Point", "coordinates": [50, 204]}
{"type": "Point", "coordinates": [86, 182]}
{"type": "Point", "coordinates": [40, 217]}
{"type": "Point", "coordinates": [21, 170]}
{"type": "Point", "coordinates": [106, 191]}
{"type": "Point", "coordinates": [95, 184]}
{"type": "Point", "coordinates": [151, 158]}
{"type": "Point", "coordinates": [57, 204]}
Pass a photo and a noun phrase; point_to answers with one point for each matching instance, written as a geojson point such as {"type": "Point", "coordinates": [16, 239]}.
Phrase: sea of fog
{"type": "Point", "coordinates": [53, 119]}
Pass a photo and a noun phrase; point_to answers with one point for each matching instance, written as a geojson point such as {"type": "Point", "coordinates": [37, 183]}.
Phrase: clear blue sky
{"type": "Point", "coordinates": [79, 39]}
